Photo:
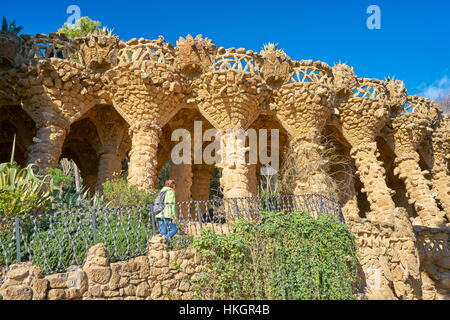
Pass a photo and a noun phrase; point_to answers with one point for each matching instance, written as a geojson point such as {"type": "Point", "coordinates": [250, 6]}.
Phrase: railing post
{"type": "Point", "coordinates": [236, 208]}
{"type": "Point", "coordinates": [17, 231]}
{"type": "Point", "coordinates": [152, 219]}
{"type": "Point", "coordinates": [94, 225]}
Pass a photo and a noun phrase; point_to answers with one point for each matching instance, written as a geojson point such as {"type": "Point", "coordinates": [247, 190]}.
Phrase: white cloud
{"type": "Point", "coordinates": [439, 88]}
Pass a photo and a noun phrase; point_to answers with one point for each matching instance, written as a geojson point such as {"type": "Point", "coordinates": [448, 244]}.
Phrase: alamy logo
{"type": "Point", "coordinates": [374, 20]}
{"type": "Point", "coordinates": [75, 15]}
{"type": "Point", "coordinates": [241, 146]}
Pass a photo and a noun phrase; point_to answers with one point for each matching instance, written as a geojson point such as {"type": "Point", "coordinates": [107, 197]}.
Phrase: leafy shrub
{"type": "Point", "coordinates": [16, 203]}
{"type": "Point", "coordinates": [118, 193]}
{"type": "Point", "coordinates": [59, 178]}
{"type": "Point", "coordinates": [288, 256]}
{"type": "Point", "coordinates": [84, 27]}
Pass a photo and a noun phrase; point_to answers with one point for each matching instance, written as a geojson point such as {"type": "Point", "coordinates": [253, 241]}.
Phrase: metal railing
{"type": "Point", "coordinates": [57, 241]}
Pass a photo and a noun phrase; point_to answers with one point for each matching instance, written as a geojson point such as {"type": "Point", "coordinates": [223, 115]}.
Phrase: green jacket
{"type": "Point", "coordinates": [170, 210]}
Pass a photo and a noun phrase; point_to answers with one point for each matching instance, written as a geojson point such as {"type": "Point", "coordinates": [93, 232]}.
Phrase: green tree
{"type": "Point", "coordinates": [84, 26]}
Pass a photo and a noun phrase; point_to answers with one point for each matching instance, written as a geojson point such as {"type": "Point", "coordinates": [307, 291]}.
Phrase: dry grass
{"type": "Point", "coordinates": [444, 102]}
{"type": "Point", "coordinates": [308, 166]}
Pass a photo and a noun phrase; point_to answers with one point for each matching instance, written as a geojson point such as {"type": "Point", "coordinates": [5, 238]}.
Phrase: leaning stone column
{"type": "Point", "coordinates": [363, 113]}
{"type": "Point", "coordinates": [48, 143]}
{"type": "Point", "coordinates": [109, 165]}
{"type": "Point", "coordinates": [348, 196]}
{"type": "Point", "coordinates": [410, 129]}
{"type": "Point", "coordinates": [441, 157]}
{"type": "Point", "coordinates": [418, 190]}
{"type": "Point", "coordinates": [143, 155]}
{"type": "Point", "coordinates": [372, 175]}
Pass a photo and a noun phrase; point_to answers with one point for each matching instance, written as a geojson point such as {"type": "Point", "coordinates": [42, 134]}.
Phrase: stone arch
{"type": "Point", "coordinates": [267, 121]}
{"type": "Point", "coordinates": [79, 146]}
{"type": "Point", "coordinates": [112, 142]}
{"type": "Point", "coordinates": [15, 121]}
{"type": "Point", "coordinates": [186, 174]}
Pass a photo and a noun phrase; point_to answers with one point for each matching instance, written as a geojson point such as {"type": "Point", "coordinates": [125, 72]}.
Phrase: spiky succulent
{"type": "Point", "coordinates": [11, 28]}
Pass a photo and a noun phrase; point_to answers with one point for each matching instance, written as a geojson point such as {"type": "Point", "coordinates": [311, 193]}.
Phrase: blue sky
{"type": "Point", "coordinates": [413, 43]}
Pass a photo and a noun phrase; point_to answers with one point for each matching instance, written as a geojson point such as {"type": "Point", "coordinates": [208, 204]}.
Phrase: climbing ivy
{"type": "Point", "coordinates": [287, 256]}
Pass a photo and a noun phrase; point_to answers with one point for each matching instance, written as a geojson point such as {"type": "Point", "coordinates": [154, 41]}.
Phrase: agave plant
{"type": "Point", "coordinates": [10, 27]}
{"type": "Point", "coordinates": [105, 31]}
{"type": "Point", "coordinates": [270, 46]}
{"type": "Point", "coordinates": [65, 200]}
{"type": "Point", "coordinates": [22, 185]}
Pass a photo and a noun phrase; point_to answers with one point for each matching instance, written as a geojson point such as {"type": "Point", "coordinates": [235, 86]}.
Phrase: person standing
{"type": "Point", "coordinates": [167, 218]}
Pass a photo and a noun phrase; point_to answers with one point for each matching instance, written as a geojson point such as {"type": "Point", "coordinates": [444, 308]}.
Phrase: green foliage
{"type": "Point", "coordinates": [11, 28]}
{"type": "Point", "coordinates": [118, 193]}
{"type": "Point", "coordinates": [23, 191]}
{"type": "Point", "coordinates": [15, 203]}
{"type": "Point", "coordinates": [84, 27]}
{"type": "Point", "coordinates": [64, 239]}
{"type": "Point", "coordinates": [60, 179]}
{"type": "Point", "coordinates": [287, 256]}
{"type": "Point", "coordinates": [69, 199]}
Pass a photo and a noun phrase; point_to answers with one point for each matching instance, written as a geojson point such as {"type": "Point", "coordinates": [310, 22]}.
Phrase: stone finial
{"type": "Point", "coordinates": [194, 55]}
{"type": "Point", "coordinates": [397, 94]}
{"type": "Point", "coordinates": [345, 80]}
{"type": "Point", "coordinates": [99, 52]}
{"type": "Point", "coordinates": [276, 66]}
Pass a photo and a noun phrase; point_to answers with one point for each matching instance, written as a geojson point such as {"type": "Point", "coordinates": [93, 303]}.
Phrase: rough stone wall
{"type": "Point", "coordinates": [159, 275]}
{"type": "Point", "coordinates": [397, 264]}
{"type": "Point", "coordinates": [434, 248]}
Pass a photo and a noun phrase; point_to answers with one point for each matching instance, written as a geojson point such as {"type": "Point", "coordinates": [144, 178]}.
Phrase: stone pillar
{"type": "Point", "coordinates": [109, 165]}
{"type": "Point", "coordinates": [252, 180]}
{"type": "Point", "coordinates": [182, 174]}
{"type": "Point", "coordinates": [441, 158]}
{"type": "Point", "coordinates": [235, 171]}
{"type": "Point", "coordinates": [142, 171]}
{"type": "Point", "coordinates": [90, 182]}
{"type": "Point", "coordinates": [441, 187]}
{"type": "Point", "coordinates": [310, 165]}
{"type": "Point", "coordinates": [348, 197]}
{"type": "Point", "coordinates": [201, 182]}
{"type": "Point", "coordinates": [418, 190]}
{"type": "Point", "coordinates": [372, 175]}
{"type": "Point", "coordinates": [48, 144]}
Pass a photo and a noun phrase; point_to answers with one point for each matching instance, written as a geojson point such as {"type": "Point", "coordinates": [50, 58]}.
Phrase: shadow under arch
{"type": "Point", "coordinates": [15, 121]}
